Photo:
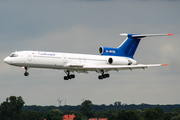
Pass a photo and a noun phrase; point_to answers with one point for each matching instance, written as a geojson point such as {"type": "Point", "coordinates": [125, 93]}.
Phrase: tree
{"type": "Point", "coordinates": [127, 115]}
{"type": "Point", "coordinates": [55, 112]}
{"type": "Point", "coordinates": [154, 114]}
{"type": "Point", "coordinates": [176, 117]}
{"type": "Point", "coordinates": [48, 117]}
{"type": "Point", "coordinates": [117, 103]}
{"type": "Point", "coordinates": [98, 114]}
{"type": "Point", "coordinates": [86, 108]}
{"type": "Point", "coordinates": [77, 118]}
{"type": "Point", "coordinates": [57, 118]}
{"type": "Point", "coordinates": [113, 116]}
{"type": "Point", "coordinates": [11, 108]}
{"type": "Point", "coordinates": [175, 111]}
{"type": "Point", "coordinates": [33, 115]}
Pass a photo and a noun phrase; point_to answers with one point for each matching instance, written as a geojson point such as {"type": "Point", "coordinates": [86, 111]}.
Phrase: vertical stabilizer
{"type": "Point", "coordinates": [128, 47]}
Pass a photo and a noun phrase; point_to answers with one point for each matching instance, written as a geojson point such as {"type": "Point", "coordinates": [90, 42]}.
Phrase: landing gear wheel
{"type": "Point", "coordinates": [100, 77]}
{"type": "Point", "coordinates": [26, 74]}
{"type": "Point", "coordinates": [107, 75]}
{"type": "Point", "coordinates": [68, 75]}
{"type": "Point", "coordinates": [65, 78]}
{"type": "Point", "coordinates": [103, 75]}
{"type": "Point", "coordinates": [72, 76]}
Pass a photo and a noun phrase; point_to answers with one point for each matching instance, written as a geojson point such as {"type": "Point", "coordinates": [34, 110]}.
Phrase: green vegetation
{"type": "Point", "coordinates": [12, 109]}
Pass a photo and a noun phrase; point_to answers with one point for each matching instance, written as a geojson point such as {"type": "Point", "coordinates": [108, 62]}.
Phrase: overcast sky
{"type": "Point", "coordinates": [82, 26]}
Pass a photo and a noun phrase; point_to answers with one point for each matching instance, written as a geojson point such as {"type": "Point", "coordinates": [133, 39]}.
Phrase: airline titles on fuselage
{"type": "Point", "coordinates": [44, 53]}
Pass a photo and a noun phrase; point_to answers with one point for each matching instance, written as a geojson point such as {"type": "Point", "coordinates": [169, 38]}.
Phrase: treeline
{"type": "Point", "coordinates": [117, 105]}
{"type": "Point", "coordinates": [13, 109]}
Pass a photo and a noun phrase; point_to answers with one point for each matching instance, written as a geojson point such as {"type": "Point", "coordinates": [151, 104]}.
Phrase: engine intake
{"type": "Point", "coordinates": [101, 50]}
{"type": "Point", "coordinates": [110, 60]}
{"type": "Point", "coordinates": [119, 61]}
{"type": "Point", "coordinates": [108, 51]}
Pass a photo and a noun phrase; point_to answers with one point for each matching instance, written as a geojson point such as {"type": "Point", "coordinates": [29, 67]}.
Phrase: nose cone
{"type": "Point", "coordinates": [7, 60]}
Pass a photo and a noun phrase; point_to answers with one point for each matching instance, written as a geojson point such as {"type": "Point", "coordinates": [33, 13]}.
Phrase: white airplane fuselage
{"type": "Point", "coordinates": [56, 60]}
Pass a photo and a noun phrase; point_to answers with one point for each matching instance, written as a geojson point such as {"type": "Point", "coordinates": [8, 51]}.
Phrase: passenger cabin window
{"type": "Point", "coordinates": [13, 55]}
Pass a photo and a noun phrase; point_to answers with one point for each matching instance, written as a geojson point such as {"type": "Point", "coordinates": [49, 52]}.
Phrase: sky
{"type": "Point", "coordinates": [82, 26]}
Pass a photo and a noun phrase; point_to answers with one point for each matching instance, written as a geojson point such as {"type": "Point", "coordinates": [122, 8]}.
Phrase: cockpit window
{"type": "Point", "coordinates": [13, 55]}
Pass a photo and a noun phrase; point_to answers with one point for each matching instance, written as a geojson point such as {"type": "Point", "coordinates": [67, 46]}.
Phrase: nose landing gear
{"type": "Point", "coordinates": [26, 73]}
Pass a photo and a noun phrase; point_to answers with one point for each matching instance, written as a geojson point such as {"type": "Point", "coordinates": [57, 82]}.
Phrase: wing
{"type": "Point", "coordinates": [107, 68]}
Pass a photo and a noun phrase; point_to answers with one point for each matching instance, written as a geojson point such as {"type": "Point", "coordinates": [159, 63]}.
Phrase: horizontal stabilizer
{"type": "Point", "coordinates": [142, 35]}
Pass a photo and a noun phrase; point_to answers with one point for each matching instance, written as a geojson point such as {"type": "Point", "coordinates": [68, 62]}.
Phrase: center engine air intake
{"type": "Point", "coordinates": [108, 51]}
{"type": "Point", "coordinates": [101, 50]}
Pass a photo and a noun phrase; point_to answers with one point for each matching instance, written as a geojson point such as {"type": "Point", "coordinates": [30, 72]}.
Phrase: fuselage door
{"type": "Point", "coordinates": [64, 58]}
{"type": "Point", "coordinates": [29, 56]}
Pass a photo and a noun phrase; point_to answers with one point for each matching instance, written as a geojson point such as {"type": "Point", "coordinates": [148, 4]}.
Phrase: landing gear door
{"type": "Point", "coordinates": [29, 56]}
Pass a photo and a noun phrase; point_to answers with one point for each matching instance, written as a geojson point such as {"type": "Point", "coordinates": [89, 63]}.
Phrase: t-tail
{"type": "Point", "coordinates": [128, 47]}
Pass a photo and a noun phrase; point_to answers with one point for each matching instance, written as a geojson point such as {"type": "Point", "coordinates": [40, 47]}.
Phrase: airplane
{"type": "Point", "coordinates": [111, 59]}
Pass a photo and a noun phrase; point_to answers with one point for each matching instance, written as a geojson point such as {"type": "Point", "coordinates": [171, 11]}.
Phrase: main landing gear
{"type": "Point", "coordinates": [26, 73]}
{"type": "Point", "coordinates": [69, 76]}
{"type": "Point", "coordinates": [103, 75]}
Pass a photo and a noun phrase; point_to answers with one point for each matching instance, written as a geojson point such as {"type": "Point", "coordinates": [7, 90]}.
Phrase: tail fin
{"type": "Point", "coordinates": [128, 47]}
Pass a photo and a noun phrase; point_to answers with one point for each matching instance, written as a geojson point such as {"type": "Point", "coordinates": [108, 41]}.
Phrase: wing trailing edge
{"type": "Point", "coordinates": [123, 66]}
